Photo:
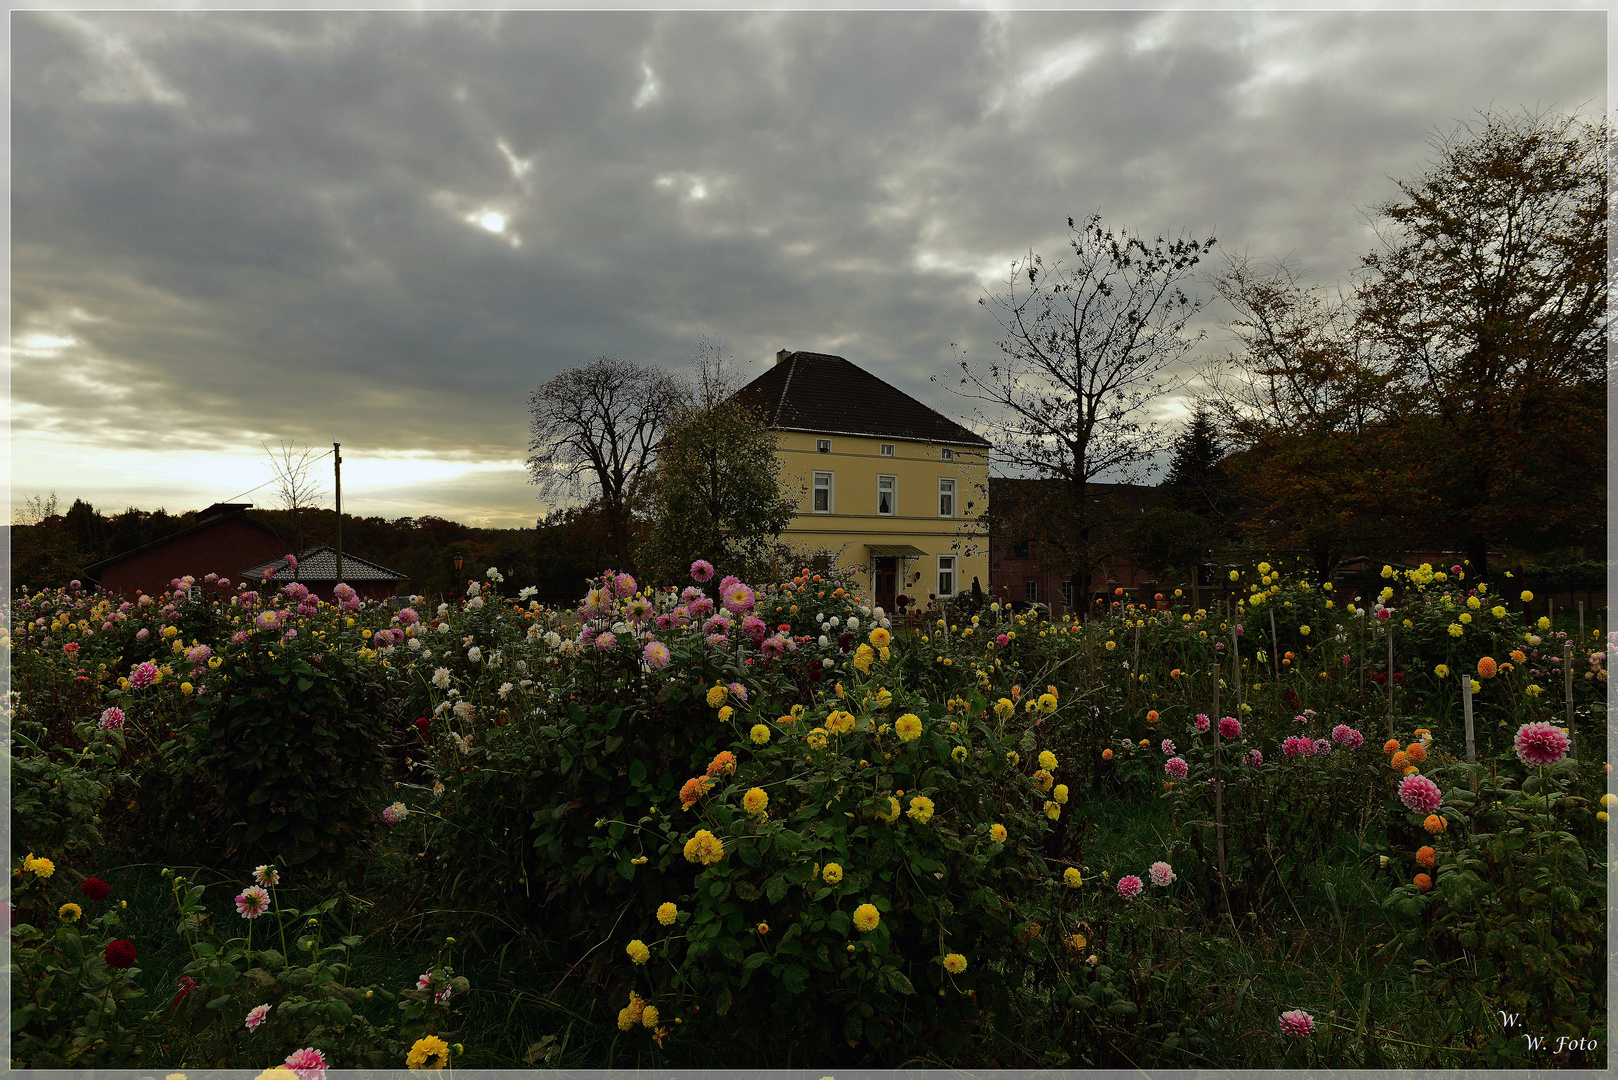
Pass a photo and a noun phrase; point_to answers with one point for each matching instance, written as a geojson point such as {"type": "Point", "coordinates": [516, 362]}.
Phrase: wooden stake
{"type": "Point", "coordinates": [1567, 692]}
{"type": "Point", "coordinates": [1236, 664]}
{"type": "Point", "coordinates": [1134, 669]}
{"type": "Point", "coordinates": [1390, 678]}
{"type": "Point", "coordinates": [1219, 795]}
{"type": "Point", "coordinates": [1581, 624]}
{"type": "Point", "coordinates": [1364, 616]}
{"type": "Point", "coordinates": [1466, 707]}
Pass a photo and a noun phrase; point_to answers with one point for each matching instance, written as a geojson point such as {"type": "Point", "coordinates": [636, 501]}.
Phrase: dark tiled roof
{"type": "Point", "coordinates": [815, 392]}
{"type": "Point", "coordinates": [320, 564]}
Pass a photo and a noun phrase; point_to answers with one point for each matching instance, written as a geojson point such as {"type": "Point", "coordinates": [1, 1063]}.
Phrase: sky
{"type": "Point", "coordinates": [385, 229]}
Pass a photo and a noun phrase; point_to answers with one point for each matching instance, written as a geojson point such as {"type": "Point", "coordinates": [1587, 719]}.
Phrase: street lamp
{"type": "Point", "coordinates": [458, 561]}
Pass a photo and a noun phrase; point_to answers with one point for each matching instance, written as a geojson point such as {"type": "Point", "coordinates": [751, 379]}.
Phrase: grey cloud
{"type": "Point", "coordinates": [255, 225]}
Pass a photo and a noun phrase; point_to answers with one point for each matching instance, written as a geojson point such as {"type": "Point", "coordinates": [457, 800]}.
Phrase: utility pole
{"type": "Point", "coordinates": [337, 467]}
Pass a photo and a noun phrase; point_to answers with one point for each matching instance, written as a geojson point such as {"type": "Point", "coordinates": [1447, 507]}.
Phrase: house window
{"type": "Point", "coordinates": [1067, 593]}
{"type": "Point", "coordinates": [194, 592]}
{"type": "Point", "coordinates": [823, 446]}
{"type": "Point", "coordinates": [946, 498]}
{"type": "Point", "coordinates": [947, 454]}
{"type": "Point", "coordinates": [946, 575]}
{"type": "Point", "coordinates": [887, 449]}
{"type": "Point", "coordinates": [1030, 590]}
{"type": "Point", "coordinates": [1019, 550]}
{"type": "Point", "coordinates": [822, 492]}
{"type": "Point", "coordinates": [884, 495]}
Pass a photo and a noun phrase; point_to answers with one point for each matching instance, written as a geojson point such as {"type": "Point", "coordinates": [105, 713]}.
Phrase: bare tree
{"type": "Point", "coordinates": [1085, 347]}
{"type": "Point", "coordinates": [594, 430]}
{"type": "Point", "coordinates": [36, 510]}
{"type": "Point", "coordinates": [296, 489]}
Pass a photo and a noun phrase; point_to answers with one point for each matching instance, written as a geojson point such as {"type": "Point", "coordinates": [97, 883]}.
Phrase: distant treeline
{"type": "Point", "coordinates": [556, 556]}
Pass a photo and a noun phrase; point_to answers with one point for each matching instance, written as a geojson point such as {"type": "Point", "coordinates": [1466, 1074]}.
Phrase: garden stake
{"type": "Point", "coordinates": [1466, 707]}
{"type": "Point", "coordinates": [1567, 692]}
{"type": "Point", "coordinates": [1219, 802]}
{"type": "Point", "coordinates": [1360, 614]}
{"type": "Point", "coordinates": [1134, 668]}
{"type": "Point", "coordinates": [1581, 624]}
{"type": "Point", "coordinates": [1390, 681]}
{"type": "Point", "coordinates": [1236, 664]}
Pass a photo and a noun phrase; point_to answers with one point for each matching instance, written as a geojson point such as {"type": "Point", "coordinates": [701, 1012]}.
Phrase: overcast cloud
{"type": "Point", "coordinates": [385, 229]}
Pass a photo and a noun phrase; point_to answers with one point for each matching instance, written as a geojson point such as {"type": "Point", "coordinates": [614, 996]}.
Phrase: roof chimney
{"type": "Point", "coordinates": [782, 355]}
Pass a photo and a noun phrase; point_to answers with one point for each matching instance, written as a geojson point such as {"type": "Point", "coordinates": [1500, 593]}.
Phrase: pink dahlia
{"type": "Point", "coordinates": [1541, 744]}
{"type": "Point", "coordinates": [606, 641]}
{"type": "Point", "coordinates": [1298, 1024]}
{"type": "Point", "coordinates": [1230, 728]}
{"type": "Point", "coordinates": [1161, 873]}
{"type": "Point", "coordinates": [1202, 722]}
{"type": "Point", "coordinates": [656, 655]}
{"type": "Point", "coordinates": [624, 585]}
{"type": "Point", "coordinates": [1322, 747]}
{"type": "Point", "coordinates": [700, 608]}
{"type": "Point", "coordinates": [1254, 758]}
{"type": "Point", "coordinates": [112, 718]}
{"type": "Point", "coordinates": [1297, 746]}
{"type": "Point", "coordinates": [143, 675]}
{"type": "Point", "coordinates": [738, 691]}
{"type": "Point", "coordinates": [702, 570]}
{"type": "Point", "coordinates": [308, 1063]}
{"type": "Point", "coordinates": [738, 599]}
{"type": "Point", "coordinates": [252, 902]}
{"type": "Point", "coordinates": [1420, 794]}
{"type": "Point", "coordinates": [1129, 886]}
{"type": "Point", "coordinates": [1345, 736]}
{"type": "Point", "coordinates": [1175, 767]}
{"type": "Point", "coordinates": [255, 1016]}
{"type": "Point", "coordinates": [1168, 746]}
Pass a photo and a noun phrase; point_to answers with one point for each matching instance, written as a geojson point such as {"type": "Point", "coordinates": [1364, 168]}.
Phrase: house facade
{"type": "Point", "coordinates": [886, 485]}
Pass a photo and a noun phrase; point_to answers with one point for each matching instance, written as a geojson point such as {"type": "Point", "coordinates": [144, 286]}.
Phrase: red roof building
{"type": "Point", "coordinates": [224, 541]}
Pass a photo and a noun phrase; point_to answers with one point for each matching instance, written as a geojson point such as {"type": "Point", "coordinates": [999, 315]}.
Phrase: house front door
{"type": "Point", "coordinates": [885, 571]}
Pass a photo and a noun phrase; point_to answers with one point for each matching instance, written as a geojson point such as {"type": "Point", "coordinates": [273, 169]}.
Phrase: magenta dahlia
{"type": "Point", "coordinates": [1129, 886]}
{"type": "Point", "coordinates": [1541, 744]}
{"type": "Point", "coordinates": [1298, 1024]}
{"type": "Point", "coordinates": [1420, 794]}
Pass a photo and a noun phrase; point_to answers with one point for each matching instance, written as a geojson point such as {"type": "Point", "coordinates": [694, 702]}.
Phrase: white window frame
{"type": "Point", "coordinates": [946, 490]}
{"type": "Point", "coordinates": [830, 487]}
{"type": "Point", "coordinates": [1067, 592]}
{"type": "Point", "coordinates": [822, 446]}
{"type": "Point", "coordinates": [887, 449]}
{"type": "Point", "coordinates": [893, 496]}
{"type": "Point", "coordinates": [1030, 590]}
{"type": "Point", "coordinates": [194, 593]}
{"type": "Point", "coordinates": [946, 454]}
{"type": "Point", "coordinates": [946, 565]}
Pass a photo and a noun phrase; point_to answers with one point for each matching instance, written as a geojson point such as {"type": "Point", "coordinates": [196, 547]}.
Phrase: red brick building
{"type": "Point", "coordinates": [224, 541]}
{"type": "Point", "coordinates": [1018, 569]}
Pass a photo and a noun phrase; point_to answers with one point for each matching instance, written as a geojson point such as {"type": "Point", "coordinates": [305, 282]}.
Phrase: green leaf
{"type": "Point", "coordinates": [219, 1002]}
{"type": "Point", "coordinates": [840, 922]}
{"type": "Point", "coordinates": [794, 977]}
{"type": "Point", "coordinates": [338, 1012]}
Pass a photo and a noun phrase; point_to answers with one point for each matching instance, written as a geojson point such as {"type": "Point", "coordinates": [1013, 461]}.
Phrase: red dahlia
{"type": "Point", "coordinates": [95, 888]}
{"type": "Point", "coordinates": [120, 953]}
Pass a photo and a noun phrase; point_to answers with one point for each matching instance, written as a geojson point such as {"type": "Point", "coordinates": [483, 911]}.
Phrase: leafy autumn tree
{"type": "Point", "coordinates": [1489, 293]}
{"type": "Point", "coordinates": [1314, 415]}
{"type": "Point", "coordinates": [717, 492]}
{"type": "Point", "coordinates": [1085, 346]}
{"type": "Point", "coordinates": [594, 430]}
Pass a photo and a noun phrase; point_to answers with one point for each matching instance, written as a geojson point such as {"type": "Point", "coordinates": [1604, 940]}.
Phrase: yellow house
{"type": "Point", "coordinates": [892, 488]}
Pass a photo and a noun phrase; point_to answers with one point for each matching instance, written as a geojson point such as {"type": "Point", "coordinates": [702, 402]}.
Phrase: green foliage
{"type": "Point", "coordinates": [717, 492]}
{"type": "Point", "coordinates": [284, 757]}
